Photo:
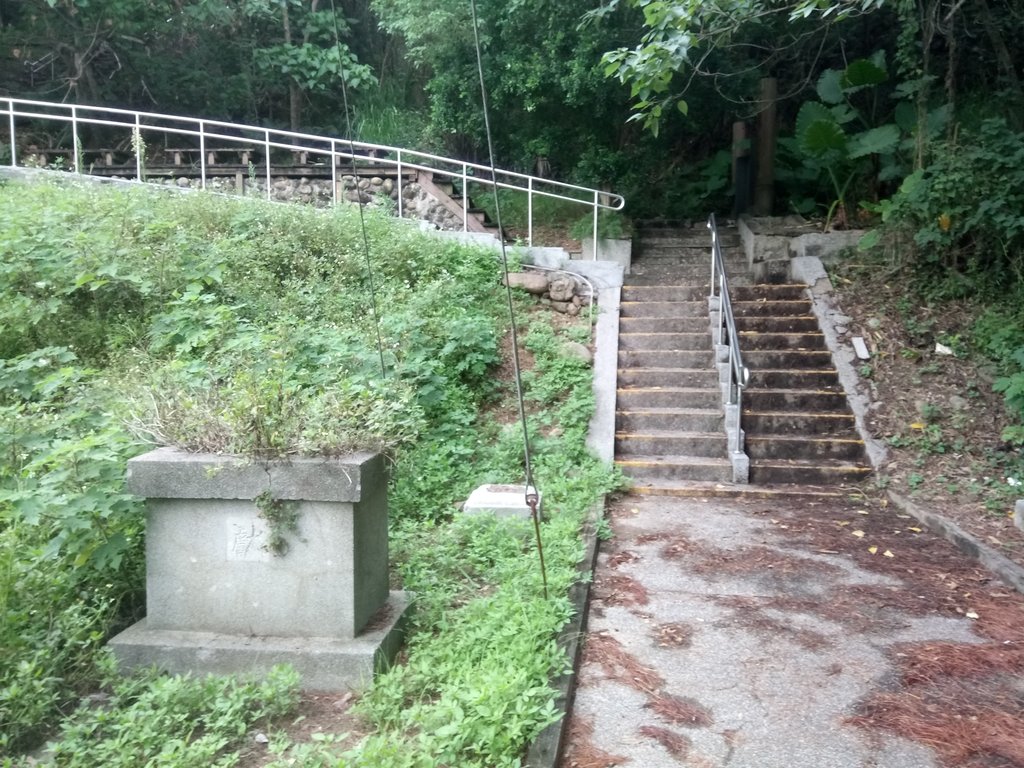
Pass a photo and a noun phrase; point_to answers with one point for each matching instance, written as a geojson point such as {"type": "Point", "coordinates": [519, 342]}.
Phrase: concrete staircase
{"type": "Point", "coordinates": [798, 422]}
{"type": "Point", "coordinates": [669, 416]}
{"type": "Point", "coordinates": [681, 254]}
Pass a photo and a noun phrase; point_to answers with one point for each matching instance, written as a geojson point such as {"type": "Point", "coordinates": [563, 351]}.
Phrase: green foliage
{"type": "Point", "coordinates": [282, 518]}
{"type": "Point", "coordinates": [172, 721]}
{"type": "Point", "coordinates": [836, 138]}
{"type": "Point", "coordinates": [959, 220]}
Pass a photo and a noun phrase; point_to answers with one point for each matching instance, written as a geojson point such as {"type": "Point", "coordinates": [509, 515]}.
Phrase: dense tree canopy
{"type": "Point", "coordinates": [572, 86]}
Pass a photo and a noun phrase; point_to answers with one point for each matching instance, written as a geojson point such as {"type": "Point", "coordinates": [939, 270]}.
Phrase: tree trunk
{"type": "Point", "coordinates": [294, 91]}
{"type": "Point", "coordinates": [1003, 56]}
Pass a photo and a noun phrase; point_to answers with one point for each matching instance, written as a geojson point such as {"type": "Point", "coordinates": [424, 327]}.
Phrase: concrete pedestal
{"type": "Point", "coordinates": [218, 600]}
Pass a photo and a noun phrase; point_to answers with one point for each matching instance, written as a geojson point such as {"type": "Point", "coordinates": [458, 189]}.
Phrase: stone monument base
{"type": "Point", "coordinates": [325, 664]}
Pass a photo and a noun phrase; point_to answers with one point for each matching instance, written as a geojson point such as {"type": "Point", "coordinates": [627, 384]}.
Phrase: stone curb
{"type": "Point", "coordinates": [546, 749]}
{"type": "Point", "coordinates": [1010, 572]}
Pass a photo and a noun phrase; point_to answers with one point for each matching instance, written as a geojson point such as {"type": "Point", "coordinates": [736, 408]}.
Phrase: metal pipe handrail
{"type": "Point", "coordinates": [726, 335]}
{"type": "Point", "coordinates": [399, 159]}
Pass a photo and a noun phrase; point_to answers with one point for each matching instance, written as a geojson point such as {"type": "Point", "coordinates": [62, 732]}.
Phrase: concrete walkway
{"type": "Point", "coordinates": [747, 632]}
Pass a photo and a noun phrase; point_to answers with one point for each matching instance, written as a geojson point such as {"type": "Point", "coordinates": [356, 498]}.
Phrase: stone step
{"type": "Point", "coordinates": [817, 472]}
{"type": "Point", "coordinates": [694, 237]}
{"type": "Point", "coordinates": [767, 324]}
{"type": "Point", "coordinates": [666, 443]}
{"type": "Point", "coordinates": [664, 308]}
{"type": "Point", "coordinates": [801, 400]}
{"type": "Point", "coordinates": [788, 378]}
{"type": "Point", "coordinates": [637, 398]}
{"type": "Point", "coordinates": [657, 358]}
{"type": "Point", "coordinates": [751, 340]}
{"type": "Point", "coordinates": [657, 378]}
{"type": "Point", "coordinates": [789, 423]}
{"type": "Point", "coordinates": [679, 419]}
{"type": "Point", "coordinates": [803, 447]}
{"type": "Point", "coordinates": [662, 293]}
{"type": "Point", "coordinates": [766, 308]}
{"type": "Point", "coordinates": [645, 274]}
{"type": "Point", "coordinates": [771, 292]}
{"type": "Point", "coordinates": [797, 358]}
{"type": "Point", "coordinates": [710, 490]}
{"type": "Point", "coordinates": [672, 253]}
{"type": "Point", "coordinates": [665, 341]}
{"type": "Point", "coordinates": [676, 468]}
{"type": "Point", "coordinates": [699, 324]}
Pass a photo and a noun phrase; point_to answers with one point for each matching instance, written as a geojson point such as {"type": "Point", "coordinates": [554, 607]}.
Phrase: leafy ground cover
{"type": "Point", "coordinates": [133, 316]}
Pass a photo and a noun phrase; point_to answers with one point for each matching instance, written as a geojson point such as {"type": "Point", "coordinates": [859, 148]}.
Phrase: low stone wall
{"type": "Point", "coordinates": [373, 192]}
{"type": "Point", "coordinates": [771, 243]}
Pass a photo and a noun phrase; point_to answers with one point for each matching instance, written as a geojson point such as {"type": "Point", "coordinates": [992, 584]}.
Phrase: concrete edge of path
{"type": "Point", "coordinates": [1010, 572]}
{"type": "Point", "coordinates": [545, 751]}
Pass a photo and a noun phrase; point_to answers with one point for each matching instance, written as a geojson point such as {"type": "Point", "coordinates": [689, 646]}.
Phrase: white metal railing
{"type": "Point", "coordinates": [727, 343]}
{"type": "Point", "coordinates": [148, 128]}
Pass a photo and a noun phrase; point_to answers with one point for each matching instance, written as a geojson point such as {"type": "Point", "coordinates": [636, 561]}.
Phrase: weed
{"type": "Point", "coordinates": [282, 518]}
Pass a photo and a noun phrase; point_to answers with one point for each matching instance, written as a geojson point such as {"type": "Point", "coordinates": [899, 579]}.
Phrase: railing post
{"type": "Point", "coordinates": [14, 144]}
{"type": "Point", "coordinates": [137, 146]}
{"type": "Point", "coordinates": [529, 212]}
{"type": "Point", "coordinates": [75, 153]}
{"type": "Point", "coordinates": [399, 185]}
{"type": "Point", "coordinates": [465, 197]}
{"type": "Point", "coordinates": [334, 172]}
{"type": "Point", "coordinates": [266, 156]}
{"type": "Point", "coordinates": [202, 155]}
{"type": "Point", "coordinates": [596, 209]}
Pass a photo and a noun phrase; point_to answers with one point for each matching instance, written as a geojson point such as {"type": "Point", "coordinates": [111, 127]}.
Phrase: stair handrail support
{"type": "Point", "coordinates": [207, 132]}
{"type": "Point", "coordinates": [734, 376]}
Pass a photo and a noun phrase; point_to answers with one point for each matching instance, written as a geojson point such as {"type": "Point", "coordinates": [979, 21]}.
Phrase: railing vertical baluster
{"type": "Point", "coordinates": [400, 184]}
{"type": "Point", "coordinates": [334, 173]}
{"type": "Point", "coordinates": [75, 152]}
{"type": "Point", "coordinates": [202, 155]}
{"type": "Point", "coordinates": [529, 212]}
{"type": "Point", "coordinates": [465, 198]}
{"type": "Point", "coordinates": [266, 157]}
{"type": "Point", "coordinates": [14, 144]}
{"type": "Point", "coordinates": [596, 209]}
{"type": "Point", "coordinates": [137, 146]}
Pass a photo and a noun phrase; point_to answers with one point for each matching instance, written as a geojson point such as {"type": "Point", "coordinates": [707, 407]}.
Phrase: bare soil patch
{"type": "Point", "coordinates": [316, 714]}
{"type": "Point", "coordinates": [937, 412]}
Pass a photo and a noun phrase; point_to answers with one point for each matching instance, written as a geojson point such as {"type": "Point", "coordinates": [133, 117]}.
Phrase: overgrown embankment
{"type": "Point", "coordinates": [132, 316]}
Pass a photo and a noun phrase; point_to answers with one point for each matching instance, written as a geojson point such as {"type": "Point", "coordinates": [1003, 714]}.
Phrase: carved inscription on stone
{"type": "Point", "coordinates": [247, 540]}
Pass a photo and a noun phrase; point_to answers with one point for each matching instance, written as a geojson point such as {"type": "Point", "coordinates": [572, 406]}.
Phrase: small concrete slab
{"type": "Point", "coordinates": [324, 663]}
{"type": "Point", "coordinates": [860, 348]}
{"type": "Point", "coordinates": [1018, 514]}
{"type": "Point", "coordinates": [501, 501]}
